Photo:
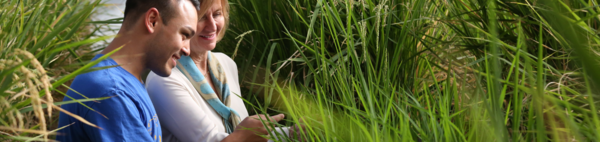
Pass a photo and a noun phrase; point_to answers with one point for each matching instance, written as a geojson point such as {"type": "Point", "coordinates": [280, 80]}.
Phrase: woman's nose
{"type": "Point", "coordinates": [211, 25]}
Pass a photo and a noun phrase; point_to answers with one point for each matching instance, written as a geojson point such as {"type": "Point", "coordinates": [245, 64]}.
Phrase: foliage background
{"type": "Point", "coordinates": [43, 45]}
{"type": "Point", "coordinates": [430, 70]}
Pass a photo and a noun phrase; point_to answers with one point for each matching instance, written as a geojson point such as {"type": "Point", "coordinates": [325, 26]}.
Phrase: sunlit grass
{"type": "Point", "coordinates": [392, 70]}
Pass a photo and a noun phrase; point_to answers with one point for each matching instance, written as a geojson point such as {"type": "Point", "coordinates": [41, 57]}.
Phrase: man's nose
{"type": "Point", "coordinates": [186, 49]}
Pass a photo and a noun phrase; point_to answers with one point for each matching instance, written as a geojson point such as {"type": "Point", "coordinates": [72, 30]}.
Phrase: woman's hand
{"type": "Point", "coordinates": [251, 128]}
{"type": "Point", "coordinates": [296, 131]}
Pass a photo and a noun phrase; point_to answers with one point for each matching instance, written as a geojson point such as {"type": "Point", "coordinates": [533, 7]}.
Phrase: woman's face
{"type": "Point", "coordinates": [209, 26]}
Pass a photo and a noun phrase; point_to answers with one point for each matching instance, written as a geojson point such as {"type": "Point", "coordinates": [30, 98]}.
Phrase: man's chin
{"type": "Point", "coordinates": [165, 73]}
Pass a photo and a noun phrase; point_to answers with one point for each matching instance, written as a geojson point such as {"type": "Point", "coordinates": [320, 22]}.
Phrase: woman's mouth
{"type": "Point", "coordinates": [208, 37]}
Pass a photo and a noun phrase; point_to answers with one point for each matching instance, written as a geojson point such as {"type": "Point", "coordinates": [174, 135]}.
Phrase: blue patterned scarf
{"type": "Point", "coordinates": [219, 100]}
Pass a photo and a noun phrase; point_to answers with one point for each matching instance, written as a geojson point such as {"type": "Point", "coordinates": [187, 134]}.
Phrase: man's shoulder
{"type": "Point", "coordinates": [93, 84]}
{"type": "Point", "coordinates": [98, 83]}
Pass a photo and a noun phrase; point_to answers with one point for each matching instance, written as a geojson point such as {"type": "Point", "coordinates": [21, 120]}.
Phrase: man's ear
{"type": "Point", "coordinates": [151, 19]}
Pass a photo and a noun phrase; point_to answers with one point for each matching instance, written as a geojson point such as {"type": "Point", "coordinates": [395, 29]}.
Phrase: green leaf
{"type": "Point", "coordinates": [29, 108]}
{"type": "Point", "coordinates": [76, 44]}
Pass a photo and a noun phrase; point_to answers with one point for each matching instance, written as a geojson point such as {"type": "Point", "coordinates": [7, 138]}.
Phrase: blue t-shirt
{"type": "Point", "coordinates": [130, 115]}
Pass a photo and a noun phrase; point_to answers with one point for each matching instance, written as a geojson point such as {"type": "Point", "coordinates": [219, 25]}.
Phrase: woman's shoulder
{"type": "Point", "coordinates": [226, 61]}
{"type": "Point", "coordinates": [223, 58]}
{"type": "Point", "coordinates": [229, 66]}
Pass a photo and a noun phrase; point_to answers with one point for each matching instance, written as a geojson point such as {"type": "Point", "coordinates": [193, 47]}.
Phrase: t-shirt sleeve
{"type": "Point", "coordinates": [122, 121]}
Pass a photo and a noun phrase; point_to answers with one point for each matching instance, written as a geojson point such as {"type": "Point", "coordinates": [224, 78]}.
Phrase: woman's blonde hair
{"type": "Point", "coordinates": [206, 4]}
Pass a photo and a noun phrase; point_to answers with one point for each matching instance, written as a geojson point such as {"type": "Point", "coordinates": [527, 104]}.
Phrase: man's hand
{"type": "Point", "coordinates": [251, 128]}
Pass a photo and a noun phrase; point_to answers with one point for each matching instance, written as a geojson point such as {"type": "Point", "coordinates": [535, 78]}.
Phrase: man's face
{"type": "Point", "coordinates": [171, 41]}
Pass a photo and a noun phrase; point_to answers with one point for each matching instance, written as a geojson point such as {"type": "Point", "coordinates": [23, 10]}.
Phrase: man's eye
{"type": "Point", "coordinates": [186, 35]}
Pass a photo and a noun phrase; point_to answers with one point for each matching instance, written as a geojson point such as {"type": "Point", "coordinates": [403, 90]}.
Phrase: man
{"type": "Point", "coordinates": [155, 33]}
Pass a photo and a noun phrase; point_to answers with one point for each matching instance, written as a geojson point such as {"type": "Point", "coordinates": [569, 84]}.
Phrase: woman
{"type": "Point", "coordinates": [201, 101]}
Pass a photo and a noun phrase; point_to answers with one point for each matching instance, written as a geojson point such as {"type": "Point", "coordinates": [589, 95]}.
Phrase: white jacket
{"type": "Point", "coordinates": [184, 115]}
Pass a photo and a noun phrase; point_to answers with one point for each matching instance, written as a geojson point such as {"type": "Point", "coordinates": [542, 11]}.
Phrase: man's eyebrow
{"type": "Point", "coordinates": [192, 30]}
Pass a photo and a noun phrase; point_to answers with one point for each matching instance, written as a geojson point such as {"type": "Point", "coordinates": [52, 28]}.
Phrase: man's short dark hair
{"type": "Point", "coordinates": [134, 9]}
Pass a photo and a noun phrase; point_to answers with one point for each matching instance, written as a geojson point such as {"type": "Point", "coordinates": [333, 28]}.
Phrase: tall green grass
{"type": "Point", "coordinates": [398, 70]}
{"type": "Point", "coordinates": [43, 45]}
